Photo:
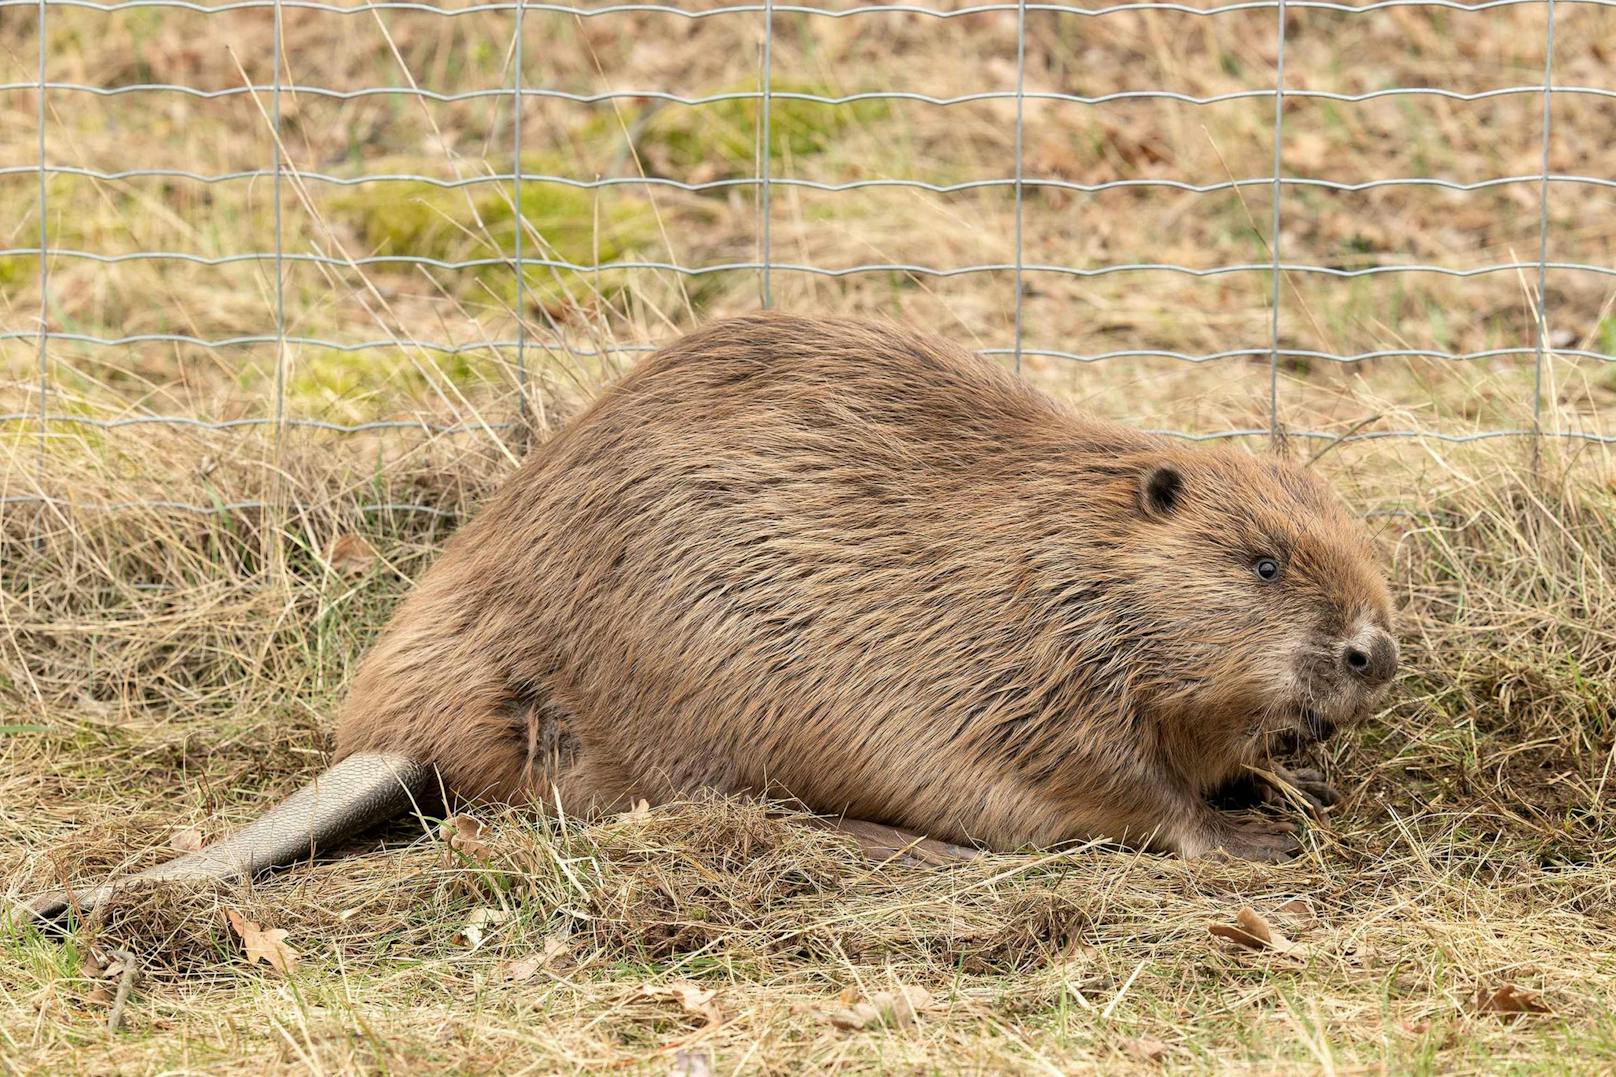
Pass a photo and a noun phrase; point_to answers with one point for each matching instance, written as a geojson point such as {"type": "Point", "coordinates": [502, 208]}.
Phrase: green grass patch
{"type": "Point", "coordinates": [725, 135]}
{"type": "Point", "coordinates": [352, 386]}
{"type": "Point", "coordinates": [18, 268]}
{"type": "Point", "coordinates": [562, 223]}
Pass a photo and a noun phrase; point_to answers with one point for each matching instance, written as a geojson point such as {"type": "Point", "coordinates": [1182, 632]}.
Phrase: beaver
{"type": "Point", "coordinates": [864, 569]}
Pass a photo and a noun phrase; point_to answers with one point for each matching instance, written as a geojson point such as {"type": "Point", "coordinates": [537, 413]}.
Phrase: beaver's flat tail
{"type": "Point", "coordinates": [362, 790]}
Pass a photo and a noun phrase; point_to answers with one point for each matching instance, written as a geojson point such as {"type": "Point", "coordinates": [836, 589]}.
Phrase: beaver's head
{"type": "Point", "coordinates": [1269, 616]}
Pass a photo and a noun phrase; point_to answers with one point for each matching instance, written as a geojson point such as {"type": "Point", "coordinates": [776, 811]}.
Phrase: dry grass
{"type": "Point", "coordinates": [173, 671]}
{"type": "Point", "coordinates": [164, 670]}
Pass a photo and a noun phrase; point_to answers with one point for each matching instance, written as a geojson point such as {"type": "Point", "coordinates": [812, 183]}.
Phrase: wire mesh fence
{"type": "Point", "coordinates": [518, 263]}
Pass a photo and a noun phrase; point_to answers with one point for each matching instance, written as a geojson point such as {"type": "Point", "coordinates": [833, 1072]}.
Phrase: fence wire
{"type": "Point", "coordinates": [764, 182]}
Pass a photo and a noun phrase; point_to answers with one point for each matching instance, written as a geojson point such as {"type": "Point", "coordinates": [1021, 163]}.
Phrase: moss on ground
{"type": "Point", "coordinates": [721, 138]}
{"type": "Point", "coordinates": [561, 223]}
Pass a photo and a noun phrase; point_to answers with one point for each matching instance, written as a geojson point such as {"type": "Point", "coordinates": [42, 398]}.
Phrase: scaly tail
{"type": "Point", "coordinates": [362, 790]}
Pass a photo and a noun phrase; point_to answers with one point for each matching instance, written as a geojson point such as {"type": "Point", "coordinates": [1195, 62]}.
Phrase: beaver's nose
{"type": "Point", "coordinates": [1370, 657]}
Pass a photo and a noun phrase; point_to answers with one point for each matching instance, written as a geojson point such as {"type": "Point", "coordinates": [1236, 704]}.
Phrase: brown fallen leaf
{"type": "Point", "coordinates": [93, 964]}
{"type": "Point", "coordinates": [555, 955]}
{"type": "Point", "coordinates": [268, 946]}
{"type": "Point", "coordinates": [188, 840]}
{"type": "Point", "coordinates": [350, 554]}
{"type": "Point", "coordinates": [465, 836]}
{"type": "Point", "coordinates": [1509, 1001]}
{"type": "Point", "coordinates": [100, 965]}
{"type": "Point", "coordinates": [1297, 911]}
{"type": "Point", "coordinates": [639, 813]}
{"type": "Point", "coordinates": [692, 998]}
{"type": "Point", "coordinates": [1252, 932]}
{"type": "Point", "coordinates": [521, 969]}
{"type": "Point", "coordinates": [895, 1008]}
{"type": "Point", "coordinates": [114, 973]}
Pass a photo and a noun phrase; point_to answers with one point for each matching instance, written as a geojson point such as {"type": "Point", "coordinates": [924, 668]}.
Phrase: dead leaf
{"type": "Point", "coordinates": [350, 554]}
{"type": "Point", "coordinates": [1146, 1049]}
{"type": "Point", "coordinates": [1297, 911]}
{"type": "Point", "coordinates": [477, 924]}
{"type": "Point", "coordinates": [114, 973]}
{"type": "Point", "coordinates": [188, 840]}
{"type": "Point", "coordinates": [692, 998]}
{"type": "Point", "coordinates": [1509, 1001]}
{"type": "Point", "coordinates": [123, 968]}
{"type": "Point", "coordinates": [92, 964]}
{"type": "Point", "coordinates": [106, 966]}
{"type": "Point", "coordinates": [521, 969]}
{"type": "Point", "coordinates": [268, 946]}
{"type": "Point", "coordinates": [1254, 933]}
{"type": "Point", "coordinates": [1360, 954]}
{"type": "Point", "coordinates": [895, 1008]}
{"type": "Point", "coordinates": [555, 955]}
{"type": "Point", "coordinates": [639, 814]}
{"type": "Point", "coordinates": [485, 917]}
{"type": "Point", "coordinates": [465, 836]}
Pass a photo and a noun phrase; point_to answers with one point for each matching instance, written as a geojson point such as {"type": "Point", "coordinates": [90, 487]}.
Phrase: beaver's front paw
{"type": "Point", "coordinates": [1256, 837]}
{"type": "Point", "coordinates": [1273, 784]}
{"type": "Point", "coordinates": [1313, 786]}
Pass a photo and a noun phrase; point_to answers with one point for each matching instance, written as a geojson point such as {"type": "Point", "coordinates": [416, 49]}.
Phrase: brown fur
{"type": "Point", "coordinates": [866, 569]}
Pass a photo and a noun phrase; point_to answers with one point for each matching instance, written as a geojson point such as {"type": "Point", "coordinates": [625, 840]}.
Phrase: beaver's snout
{"type": "Point", "coordinates": [1347, 681]}
{"type": "Point", "coordinates": [1370, 657]}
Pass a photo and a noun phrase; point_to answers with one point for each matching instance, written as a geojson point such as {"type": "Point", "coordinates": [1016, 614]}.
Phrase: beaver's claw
{"type": "Point", "coordinates": [1283, 786]}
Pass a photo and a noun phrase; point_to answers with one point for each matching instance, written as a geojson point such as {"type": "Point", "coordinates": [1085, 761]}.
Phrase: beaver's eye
{"type": "Point", "coordinates": [1266, 568]}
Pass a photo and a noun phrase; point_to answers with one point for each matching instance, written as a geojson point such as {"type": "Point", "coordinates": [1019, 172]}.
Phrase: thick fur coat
{"type": "Point", "coordinates": [863, 568]}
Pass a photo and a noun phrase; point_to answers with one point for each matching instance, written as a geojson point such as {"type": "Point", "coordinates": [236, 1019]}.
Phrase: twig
{"type": "Point", "coordinates": [1351, 430]}
{"type": "Point", "coordinates": [126, 980]}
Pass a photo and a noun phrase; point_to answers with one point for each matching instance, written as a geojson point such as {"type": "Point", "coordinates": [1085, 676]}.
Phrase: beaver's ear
{"type": "Point", "coordinates": [1160, 489]}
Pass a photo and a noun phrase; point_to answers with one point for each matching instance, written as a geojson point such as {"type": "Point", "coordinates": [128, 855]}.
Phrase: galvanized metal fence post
{"type": "Point", "coordinates": [1021, 125]}
{"type": "Point", "coordinates": [276, 147]}
{"type": "Point", "coordinates": [765, 158]}
{"type": "Point", "coordinates": [1278, 194]}
{"type": "Point", "coordinates": [520, 220]}
{"type": "Point", "coordinates": [43, 206]}
{"type": "Point", "coordinates": [1541, 315]}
